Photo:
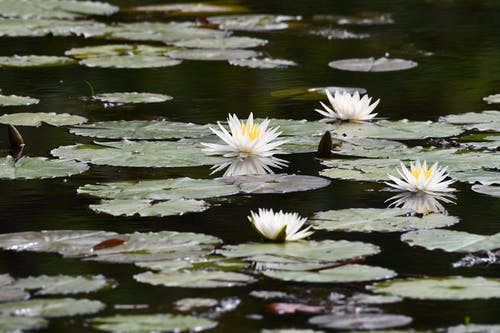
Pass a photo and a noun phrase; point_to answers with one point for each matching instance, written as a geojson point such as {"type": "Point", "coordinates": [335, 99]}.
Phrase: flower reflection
{"type": "Point", "coordinates": [251, 165]}
{"type": "Point", "coordinates": [421, 202]}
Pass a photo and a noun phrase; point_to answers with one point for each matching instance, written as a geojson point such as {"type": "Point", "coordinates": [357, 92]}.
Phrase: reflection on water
{"type": "Point", "coordinates": [421, 203]}
{"type": "Point", "coordinates": [251, 165]}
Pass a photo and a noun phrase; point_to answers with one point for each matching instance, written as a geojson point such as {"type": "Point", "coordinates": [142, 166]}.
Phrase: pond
{"type": "Point", "coordinates": [182, 249]}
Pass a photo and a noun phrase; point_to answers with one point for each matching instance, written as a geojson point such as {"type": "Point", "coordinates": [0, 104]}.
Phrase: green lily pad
{"type": "Point", "coordinates": [63, 284]}
{"type": "Point", "coordinates": [192, 262]}
{"type": "Point", "coordinates": [127, 61]}
{"type": "Point", "coordinates": [138, 154]}
{"type": "Point", "coordinates": [9, 324]}
{"type": "Point", "coordinates": [195, 279]}
{"type": "Point", "coordinates": [43, 27]}
{"type": "Point", "coordinates": [276, 183]}
{"type": "Point", "coordinates": [188, 8]}
{"type": "Point", "coordinates": [13, 100]}
{"type": "Point", "coordinates": [494, 191]}
{"type": "Point", "coordinates": [313, 94]}
{"type": "Point", "coordinates": [51, 307]}
{"type": "Point", "coordinates": [304, 251]}
{"type": "Point", "coordinates": [152, 323]}
{"type": "Point", "coordinates": [161, 189]}
{"type": "Point", "coordinates": [374, 299]}
{"type": "Point", "coordinates": [187, 304]}
{"type": "Point", "coordinates": [473, 328]}
{"type": "Point", "coordinates": [132, 97]}
{"type": "Point", "coordinates": [372, 65]}
{"type": "Point", "coordinates": [483, 177]}
{"type": "Point", "coordinates": [480, 121]}
{"type": "Point", "coordinates": [347, 273]}
{"type": "Point", "coordinates": [67, 9]}
{"type": "Point", "coordinates": [361, 321]}
{"type": "Point", "coordinates": [264, 63]}
{"type": "Point", "coordinates": [451, 240]}
{"type": "Point", "coordinates": [130, 207]}
{"type": "Point", "coordinates": [492, 99]}
{"type": "Point", "coordinates": [359, 173]}
{"type": "Point", "coordinates": [211, 54]}
{"type": "Point", "coordinates": [34, 61]}
{"type": "Point", "coordinates": [252, 22]}
{"type": "Point", "coordinates": [116, 50]}
{"type": "Point", "coordinates": [12, 294]}
{"type": "Point", "coordinates": [141, 129]}
{"type": "Point", "coordinates": [5, 279]}
{"type": "Point", "coordinates": [36, 119]}
{"type": "Point", "coordinates": [291, 127]}
{"type": "Point", "coordinates": [232, 42]}
{"type": "Point", "coordinates": [378, 219]}
{"type": "Point", "coordinates": [38, 167]}
{"type": "Point", "coordinates": [440, 288]}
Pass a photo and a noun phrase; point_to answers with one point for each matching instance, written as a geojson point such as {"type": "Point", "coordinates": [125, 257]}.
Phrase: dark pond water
{"type": "Point", "coordinates": [456, 44]}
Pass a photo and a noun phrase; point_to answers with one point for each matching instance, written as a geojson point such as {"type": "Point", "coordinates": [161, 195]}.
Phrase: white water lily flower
{"type": "Point", "coordinates": [279, 226]}
{"type": "Point", "coordinates": [252, 165]}
{"type": "Point", "coordinates": [245, 139]}
{"type": "Point", "coordinates": [422, 179]}
{"type": "Point", "coordinates": [348, 107]}
{"type": "Point", "coordinates": [421, 203]}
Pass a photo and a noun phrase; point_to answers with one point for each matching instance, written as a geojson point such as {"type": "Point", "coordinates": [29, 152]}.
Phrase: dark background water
{"type": "Point", "coordinates": [462, 37]}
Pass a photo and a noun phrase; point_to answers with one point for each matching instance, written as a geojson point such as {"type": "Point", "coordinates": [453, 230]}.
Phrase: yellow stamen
{"type": "Point", "coordinates": [253, 131]}
{"type": "Point", "coordinates": [416, 173]}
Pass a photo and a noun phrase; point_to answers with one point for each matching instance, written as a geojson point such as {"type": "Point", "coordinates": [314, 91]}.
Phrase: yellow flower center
{"type": "Point", "coordinates": [253, 131]}
{"type": "Point", "coordinates": [416, 173]}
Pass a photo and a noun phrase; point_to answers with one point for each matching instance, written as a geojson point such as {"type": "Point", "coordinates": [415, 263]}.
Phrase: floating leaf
{"type": "Point", "coordinates": [161, 189]}
{"type": "Point", "coordinates": [443, 288]}
{"type": "Point", "coordinates": [338, 34]}
{"type": "Point", "coordinates": [54, 8]}
{"type": "Point", "coordinates": [361, 321]}
{"type": "Point", "coordinates": [347, 273]}
{"type": "Point", "coordinates": [211, 54]}
{"type": "Point", "coordinates": [138, 154]}
{"type": "Point", "coordinates": [11, 294]}
{"type": "Point", "coordinates": [378, 219]}
{"type": "Point", "coordinates": [265, 63]}
{"type": "Point", "coordinates": [130, 207]}
{"type": "Point", "coordinates": [221, 43]}
{"type": "Point", "coordinates": [152, 323]}
{"type": "Point", "coordinates": [313, 94]}
{"type": "Point", "coordinates": [5, 279]}
{"type": "Point", "coordinates": [51, 307]}
{"type": "Point", "coordinates": [141, 129]}
{"type": "Point", "coordinates": [126, 61]}
{"type": "Point", "coordinates": [372, 65]}
{"type": "Point", "coordinates": [34, 61]}
{"type": "Point", "coordinates": [13, 100]}
{"type": "Point", "coordinates": [9, 324]}
{"type": "Point", "coordinates": [451, 241]}
{"type": "Point", "coordinates": [117, 50]}
{"type": "Point", "coordinates": [492, 99]}
{"type": "Point", "coordinates": [374, 299]}
{"type": "Point", "coordinates": [43, 27]}
{"type": "Point", "coordinates": [132, 97]}
{"type": "Point", "coordinates": [494, 191]}
{"type": "Point", "coordinates": [252, 22]}
{"type": "Point", "coordinates": [473, 328]}
{"type": "Point", "coordinates": [38, 167]}
{"type": "Point", "coordinates": [36, 119]}
{"type": "Point", "coordinates": [483, 177]}
{"type": "Point", "coordinates": [62, 284]}
{"type": "Point", "coordinates": [195, 279]}
{"type": "Point", "coordinates": [276, 183]}
{"type": "Point", "coordinates": [187, 8]}
{"type": "Point", "coordinates": [481, 121]}
{"type": "Point", "coordinates": [363, 18]}
{"type": "Point", "coordinates": [105, 244]}
{"type": "Point", "coordinates": [304, 251]}
{"type": "Point", "coordinates": [188, 304]}
{"type": "Point", "coordinates": [292, 308]}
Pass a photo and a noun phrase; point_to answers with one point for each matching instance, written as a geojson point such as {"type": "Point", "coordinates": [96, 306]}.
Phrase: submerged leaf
{"type": "Point", "coordinates": [373, 65]}
{"type": "Point", "coordinates": [36, 119]}
{"type": "Point", "coordinates": [492, 99]}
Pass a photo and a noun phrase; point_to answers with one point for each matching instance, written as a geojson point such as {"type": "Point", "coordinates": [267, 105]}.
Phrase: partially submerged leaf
{"type": "Point", "coordinates": [130, 207]}
{"type": "Point", "coordinates": [13, 100]}
{"type": "Point", "coordinates": [51, 307]}
{"type": "Point", "coordinates": [252, 22]}
{"type": "Point", "coordinates": [127, 61]}
{"type": "Point", "coordinates": [34, 61]}
{"type": "Point", "coordinates": [451, 240]}
{"type": "Point", "coordinates": [292, 308]}
{"type": "Point", "coordinates": [132, 97]}
{"type": "Point", "coordinates": [362, 321]}
{"type": "Point", "coordinates": [38, 167]}
{"type": "Point", "coordinates": [211, 54]}
{"type": "Point", "coordinates": [276, 183]}
{"type": "Point", "coordinates": [264, 63]}
{"type": "Point", "coordinates": [373, 65]}
{"type": "Point", "coordinates": [111, 50]}
{"type": "Point", "coordinates": [232, 42]}
{"type": "Point", "coordinates": [36, 119]}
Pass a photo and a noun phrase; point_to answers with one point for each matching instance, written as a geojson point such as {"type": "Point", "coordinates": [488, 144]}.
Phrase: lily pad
{"type": "Point", "coordinates": [211, 54]}
{"type": "Point", "coordinates": [188, 8]}
{"type": "Point", "coordinates": [12, 294]}
{"type": "Point", "coordinates": [10, 324]}
{"type": "Point", "coordinates": [483, 177]}
{"type": "Point", "coordinates": [252, 22]}
{"type": "Point", "coordinates": [38, 167]}
{"type": "Point", "coordinates": [289, 330]}
{"type": "Point", "coordinates": [67, 9]}
{"type": "Point", "coordinates": [378, 219]}
{"type": "Point", "coordinates": [116, 50]}
{"type": "Point", "coordinates": [51, 307]}
{"type": "Point", "coordinates": [43, 27]}
{"type": "Point", "coordinates": [361, 321]}
{"type": "Point", "coordinates": [451, 241]}
{"type": "Point", "coordinates": [63, 284]}
{"type": "Point", "coordinates": [440, 288]}
{"type": "Point", "coordinates": [141, 129]}
{"type": "Point", "coordinates": [36, 119]}
{"type": "Point", "coordinates": [161, 189]}
{"type": "Point", "coordinates": [34, 61]}
{"type": "Point", "coordinates": [347, 273]}
{"type": "Point", "coordinates": [372, 65]}
{"type": "Point", "coordinates": [5, 279]}
{"type": "Point", "coordinates": [187, 304]}
{"type": "Point", "coordinates": [130, 207]}
{"type": "Point", "coordinates": [315, 93]}
{"type": "Point", "coordinates": [492, 99]}
{"type": "Point", "coordinates": [338, 34]}
{"type": "Point", "coordinates": [276, 183]}
{"type": "Point", "coordinates": [127, 61]}
{"type": "Point", "coordinates": [152, 323]}
{"type": "Point", "coordinates": [374, 299]}
{"type": "Point", "coordinates": [265, 63]}
{"type": "Point", "coordinates": [494, 191]}
{"type": "Point", "coordinates": [221, 43]}
{"type": "Point", "coordinates": [13, 100]}
{"type": "Point", "coordinates": [138, 154]}
{"type": "Point", "coordinates": [473, 328]}
{"type": "Point", "coordinates": [363, 18]}
{"type": "Point", "coordinates": [482, 121]}
{"type": "Point", "coordinates": [195, 279]}
{"type": "Point", "coordinates": [132, 97]}
{"type": "Point", "coordinates": [304, 251]}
